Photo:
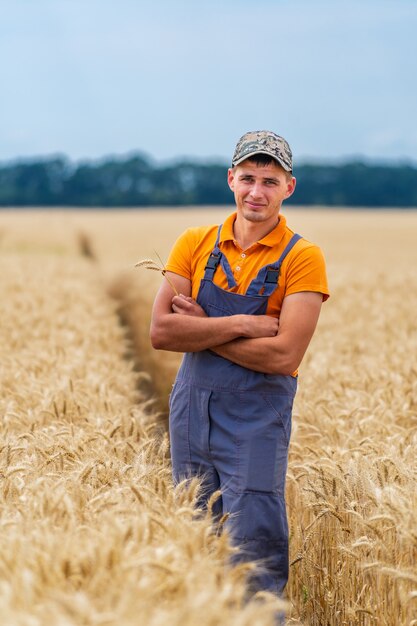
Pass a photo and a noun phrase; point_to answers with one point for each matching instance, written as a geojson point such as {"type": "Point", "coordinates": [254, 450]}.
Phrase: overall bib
{"type": "Point", "coordinates": [231, 426]}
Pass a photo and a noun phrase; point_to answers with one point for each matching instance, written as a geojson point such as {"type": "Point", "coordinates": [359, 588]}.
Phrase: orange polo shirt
{"type": "Point", "coordinates": [303, 269]}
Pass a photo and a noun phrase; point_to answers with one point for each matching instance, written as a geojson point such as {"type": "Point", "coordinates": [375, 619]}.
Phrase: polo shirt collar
{"type": "Point", "coordinates": [271, 239]}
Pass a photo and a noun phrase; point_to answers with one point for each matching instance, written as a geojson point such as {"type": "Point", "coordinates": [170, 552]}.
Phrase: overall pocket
{"type": "Point", "coordinates": [281, 407]}
{"type": "Point", "coordinates": [179, 430]}
{"type": "Point", "coordinates": [264, 429]}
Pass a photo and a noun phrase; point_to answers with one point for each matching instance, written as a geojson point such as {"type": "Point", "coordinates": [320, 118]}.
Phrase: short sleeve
{"type": "Point", "coordinates": [307, 272]}
{"type": "Point", "coordinates": [180, 257]}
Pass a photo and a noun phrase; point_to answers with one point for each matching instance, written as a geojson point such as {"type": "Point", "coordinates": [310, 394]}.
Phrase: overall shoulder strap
{"type": "Point", "coordinates": [268, 276]}
{"type": "Point", "coordinates": [215, 258]}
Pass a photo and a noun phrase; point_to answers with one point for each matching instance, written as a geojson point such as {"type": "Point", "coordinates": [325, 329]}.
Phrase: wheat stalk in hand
{"type": "Point", "coordinates": [150, 264]}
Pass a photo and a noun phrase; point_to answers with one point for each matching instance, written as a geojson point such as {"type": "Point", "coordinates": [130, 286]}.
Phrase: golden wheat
{"type": "Point", "coordinates": [93, 531]}
{"type": "Point", "coordinates": [150, 264]}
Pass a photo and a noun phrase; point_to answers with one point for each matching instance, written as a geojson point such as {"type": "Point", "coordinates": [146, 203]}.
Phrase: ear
{"type": "Point", "coordinates": [231, 178]}
{"type": "Point", "coordinates": [291, 187]}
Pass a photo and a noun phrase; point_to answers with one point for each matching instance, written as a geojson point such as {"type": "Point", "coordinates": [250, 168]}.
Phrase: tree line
{"type": "Point", "coordinates": [136, 181]}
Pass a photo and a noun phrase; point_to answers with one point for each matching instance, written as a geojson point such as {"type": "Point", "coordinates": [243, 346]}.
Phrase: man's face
{"type": "Point", "coordinates": [259, 190]}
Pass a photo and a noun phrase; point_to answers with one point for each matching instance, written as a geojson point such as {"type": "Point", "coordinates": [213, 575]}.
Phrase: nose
{"type": "Point", "coordinates": [256, 190]}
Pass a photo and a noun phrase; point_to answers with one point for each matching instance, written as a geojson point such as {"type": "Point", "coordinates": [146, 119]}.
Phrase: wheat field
{"type": "Point", "coordinates": [93, 531]}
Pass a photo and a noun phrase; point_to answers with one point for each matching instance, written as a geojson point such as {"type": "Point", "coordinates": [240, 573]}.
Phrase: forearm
{"type": "Point", "coordinates": [283, 353]}
{"type": "Point", "coordinates": [264, 354]}
{"type": "Point", "coordinates": [184, 333]}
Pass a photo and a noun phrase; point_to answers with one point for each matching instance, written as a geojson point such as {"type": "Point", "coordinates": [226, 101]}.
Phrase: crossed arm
{"type": "Point", "coordinates": [257, 342]}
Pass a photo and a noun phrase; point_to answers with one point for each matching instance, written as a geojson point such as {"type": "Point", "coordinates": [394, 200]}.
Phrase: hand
{"type": "Point", "coordinates": [259, 326]}
{"type": "Point", "coordinates": [185, 305]}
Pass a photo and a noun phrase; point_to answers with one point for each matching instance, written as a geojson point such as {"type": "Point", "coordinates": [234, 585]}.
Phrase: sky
{"type": "Point", "coordinates": [185, 78]}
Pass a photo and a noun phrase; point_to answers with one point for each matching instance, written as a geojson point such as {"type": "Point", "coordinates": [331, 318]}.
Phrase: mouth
{"type": "Point", "coordinates": [254, 205]}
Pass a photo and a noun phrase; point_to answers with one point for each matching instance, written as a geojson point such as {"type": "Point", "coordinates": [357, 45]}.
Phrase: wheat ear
{"type": "Point", "coordinates": [150, 264]}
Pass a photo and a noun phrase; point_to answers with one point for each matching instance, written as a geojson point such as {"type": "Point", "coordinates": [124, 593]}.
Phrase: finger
{"type": "Point", "coordinates": [186, 298]}
{"type": "Point", "coordinates": [185, 306]}
{"type": "Point", "coordinates": [179, 301]}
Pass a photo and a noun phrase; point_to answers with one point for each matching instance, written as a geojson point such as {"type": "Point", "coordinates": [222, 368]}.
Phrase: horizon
{"type": "Point", "coordinates": [377, 161]}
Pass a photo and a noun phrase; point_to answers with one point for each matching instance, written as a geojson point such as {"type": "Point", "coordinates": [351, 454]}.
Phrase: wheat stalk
{"type": "Point", "coordinates": [150, 264]}
{"type": "Point", "coordinates": [77, 433]}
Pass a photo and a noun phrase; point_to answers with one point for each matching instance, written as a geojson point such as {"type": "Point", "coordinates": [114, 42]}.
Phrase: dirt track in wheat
{"type": "Point", "coordinates": [92, 530]}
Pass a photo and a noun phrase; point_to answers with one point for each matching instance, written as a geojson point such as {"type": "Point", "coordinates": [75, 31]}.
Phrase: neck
{"type": "Point", "coordinates": [247, 233]}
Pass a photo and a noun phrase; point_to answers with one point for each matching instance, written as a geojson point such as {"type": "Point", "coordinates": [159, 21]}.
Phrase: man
{"type": "Point", "coordinates": [250, 297]}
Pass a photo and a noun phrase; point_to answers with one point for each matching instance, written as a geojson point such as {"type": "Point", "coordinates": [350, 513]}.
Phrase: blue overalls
{"type": "Point", "coordinates": [231, 426]}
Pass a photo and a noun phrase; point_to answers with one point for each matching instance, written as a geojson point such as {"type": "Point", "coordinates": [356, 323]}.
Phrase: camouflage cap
{"type": "Point", "coordinates": [263, 142]}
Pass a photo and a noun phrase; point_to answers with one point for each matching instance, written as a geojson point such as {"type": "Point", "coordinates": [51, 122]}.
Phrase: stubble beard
{"type": "Point", "coordinates": [253, 217]}
{"type": "Point", "coordinates": [257, 217]}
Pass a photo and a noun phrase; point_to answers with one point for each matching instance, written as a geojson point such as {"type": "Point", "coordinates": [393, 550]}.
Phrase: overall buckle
{"type": "Point", "coordinates": [212, 261]}
{"type": "Point", "coordinates": [272, 276]}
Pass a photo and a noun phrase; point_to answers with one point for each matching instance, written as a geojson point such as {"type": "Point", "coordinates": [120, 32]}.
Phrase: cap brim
{"type": "Point", "coordinates": [250, 154]}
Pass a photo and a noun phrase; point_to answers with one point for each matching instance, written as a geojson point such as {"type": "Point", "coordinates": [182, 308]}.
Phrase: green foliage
{"type": "Point", "coordinates": [134, 181]}
{"type": "Point", "coordinates": [357, 184]}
